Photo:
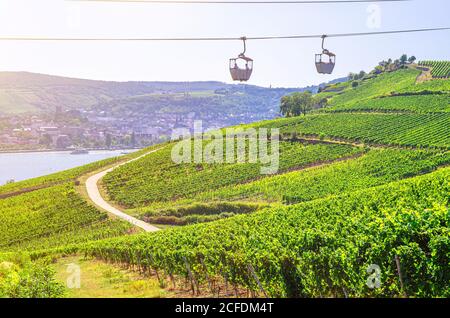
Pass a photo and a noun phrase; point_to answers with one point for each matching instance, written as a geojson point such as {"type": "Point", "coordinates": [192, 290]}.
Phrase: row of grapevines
{"type": "Point", "coordinates": [50, 217]}
{"type": "Point", "coordinates": [440, 69]}
{"type": "Point", "coordinates": [379, 166]}
{"type": "Point", "coordinates": [157, 178]}
{"type": "Point", "coordinates": [414, 130]}
{"type": "Point", "coordinates": [184, 212]}
{"type": "Point", "coordinates": [414, 103]}
{"type": "Point", "coordinates": [437, 85]}
{"type": "Point", "coordinates": [381, 85]}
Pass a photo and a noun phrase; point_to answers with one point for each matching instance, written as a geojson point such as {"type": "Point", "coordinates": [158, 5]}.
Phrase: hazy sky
{"type": "Point", "coordinates": [277, 62]}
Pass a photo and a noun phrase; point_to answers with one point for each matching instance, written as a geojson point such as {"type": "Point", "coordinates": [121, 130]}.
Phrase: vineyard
{"type": "Point", "coordinates": [50, 217]}
{"type": "Point", "coordinates": [431, 103]}
{"type": "Point", "coordinates": [178, 213]}
{"type": "Point", "coordinates": [375, 168]}
{"type": "Point", "coordinates": [156, 178]}
{"type": "Point", "coordinates": [408, 130]}
{"type": "Point", "coordinates": [315, 249]}
{"type": "Point", "coordinates": [381, 85]}
{"type": "Point", "coordinates": [364, 181]}
{"type": "Point", "coordinates": [439, 69]}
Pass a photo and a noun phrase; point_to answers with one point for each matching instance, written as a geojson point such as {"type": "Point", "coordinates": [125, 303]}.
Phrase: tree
{"type": "Point", "coordinates": [319, 102]}
{"type": "Point", "coordinates": [286, 106]}
{"type": "Point", "coordinates": [46, 140]}
{"type": "Point", "coordinates": [352, 76]}
{"type": "Point", "coordinates": [412, 59]}
{"type": "Point", "coordinates": [133, 139]}
{"type": "Point", "coordinates": [355, 84]}
{"type": "Point", "coordinates": [379, 69]}
{"type": "Point", "coordinates": [108, 141]}
{"type": "Point", "coordinates": [403, 59]}
{"type": "Point", "coordinates": [296, 104]}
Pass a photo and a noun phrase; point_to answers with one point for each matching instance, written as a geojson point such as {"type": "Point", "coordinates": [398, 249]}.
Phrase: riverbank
{"type": "Point", "coordinates": [20, 166]}
{"type": "Point", "coordinates": [64, 150]}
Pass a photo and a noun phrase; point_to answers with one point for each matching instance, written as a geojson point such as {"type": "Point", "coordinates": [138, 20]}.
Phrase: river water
{"type": "Point", "coordinates": [22, 166]}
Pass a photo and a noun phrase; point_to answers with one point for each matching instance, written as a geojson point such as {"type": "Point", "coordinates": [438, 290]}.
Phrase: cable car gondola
{"type": "Point", "coordinates": [325, 61]}
{"type": "Point", "coordinates": [241, 73]}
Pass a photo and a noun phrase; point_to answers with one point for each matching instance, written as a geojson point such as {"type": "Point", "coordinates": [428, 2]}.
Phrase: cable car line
{"type": "Point", "coordinates": [283, 37]}
{"type": "Point", "coordinates": [240, 1]}
{"type": "Point", "coordinates": [241, 67]}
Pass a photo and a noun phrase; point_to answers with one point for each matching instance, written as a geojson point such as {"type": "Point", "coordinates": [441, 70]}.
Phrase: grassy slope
{"type": "Point", "coordinates": [381, 85]}
{"type": "Point", "coordinates": [102, 280]}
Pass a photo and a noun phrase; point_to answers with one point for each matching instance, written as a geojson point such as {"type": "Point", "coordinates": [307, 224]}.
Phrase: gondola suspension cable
{"type": "Point", "coordinates": [325, 61]}
{"type": "Point", "coordinates": [240, 1]}
{"type": "Point", "coordinates": [283, 37]}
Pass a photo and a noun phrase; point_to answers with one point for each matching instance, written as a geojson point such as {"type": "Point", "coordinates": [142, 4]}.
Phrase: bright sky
{"type": "Point", "coordinates": [277, 62]}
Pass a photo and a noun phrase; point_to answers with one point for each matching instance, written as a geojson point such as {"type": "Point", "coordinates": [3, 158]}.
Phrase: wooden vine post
{"type": "Point", "coordinates": [255, 277]}
{"type": "Point", "coordinates": [206, 274]}
{"type": "Point", "coordinates": [399, 272]}
{"type": "Point", "coordinates": [191, 277]}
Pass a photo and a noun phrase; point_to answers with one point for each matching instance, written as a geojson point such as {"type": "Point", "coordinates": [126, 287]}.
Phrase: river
{"type": "Point", "coordinates": [26, 165]}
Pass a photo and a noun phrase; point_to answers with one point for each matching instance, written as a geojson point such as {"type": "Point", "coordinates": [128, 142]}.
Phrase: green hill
{"type": "Point", "coordinates": [22, 92]}
{"type": "Point", "coordinates": [364, 181]}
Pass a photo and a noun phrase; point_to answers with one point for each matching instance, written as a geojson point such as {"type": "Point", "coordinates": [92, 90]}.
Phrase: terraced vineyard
{"type": "Point", "coordinates": [48, 211]}
{"type": "Point", "coordinates": [314, 249]}
{"type": "Point", "coordinates": [440, 69]}
{"type": "Point", "coordinates": [409, 130]}
{"type": "Point", "coordinates": [50, 217]}
{"type": "Point", "coordinates": [432, 103]}
{"type": "Point", "coordinates": [381, 85]}
{"type": "Point", "coordinates": [375, 168]}
{"type": "Point", "coordinates": [156, 178]}
{"type": "Point", "coordinates": [365, 181]}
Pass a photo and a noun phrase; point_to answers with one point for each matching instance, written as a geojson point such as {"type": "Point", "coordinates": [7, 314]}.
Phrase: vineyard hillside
{"type": "Point", "coordinates": [364, 180]}
{"type": "Point", "coordinates": [439, 69]}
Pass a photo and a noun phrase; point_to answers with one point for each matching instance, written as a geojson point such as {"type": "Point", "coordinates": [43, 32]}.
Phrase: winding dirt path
{"type": "Point", "coordinates": [94, 194]}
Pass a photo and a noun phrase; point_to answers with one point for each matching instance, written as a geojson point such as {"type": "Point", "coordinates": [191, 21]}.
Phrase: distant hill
{"type": "Point", "coordinates": [23, 92]}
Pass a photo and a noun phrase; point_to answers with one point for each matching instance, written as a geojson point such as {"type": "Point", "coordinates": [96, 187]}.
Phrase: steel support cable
{"type": "Point", "coordinates": [241, 2]}
{"type": "Point", "coordinates": [283, 37]}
